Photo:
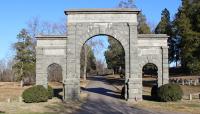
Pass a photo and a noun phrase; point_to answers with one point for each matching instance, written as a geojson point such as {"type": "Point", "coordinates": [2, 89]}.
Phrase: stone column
{"type": "Point", "coordinates": [71, 83]}
{"type": "Point", "coordinates": [165, 70]}
{"type": "Point", "coordinates": [41, 71]}
{"type": "Point", "coordinates": [135, 82]}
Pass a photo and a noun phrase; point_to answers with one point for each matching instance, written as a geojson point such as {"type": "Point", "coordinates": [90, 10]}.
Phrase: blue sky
{"type": "Point", "coordinates": [16, 13]}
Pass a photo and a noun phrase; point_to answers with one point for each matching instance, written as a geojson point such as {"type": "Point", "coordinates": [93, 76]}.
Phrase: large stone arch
{"type": "Point", "coordinates": [121, 38]}
{"type": "Point", "coordinates": [121, 24]}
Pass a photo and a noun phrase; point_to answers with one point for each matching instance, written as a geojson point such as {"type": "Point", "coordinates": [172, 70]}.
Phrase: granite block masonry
{"type": "Point", "coordinates": [120, 24]}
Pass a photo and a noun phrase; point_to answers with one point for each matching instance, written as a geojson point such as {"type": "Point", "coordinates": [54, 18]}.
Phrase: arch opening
{"type": "Point", "coordinates": [104, 63]}
{"type": "Point", "coordinates": [149, 79]}
{"type": "Point", "coordinates": [55, 78]}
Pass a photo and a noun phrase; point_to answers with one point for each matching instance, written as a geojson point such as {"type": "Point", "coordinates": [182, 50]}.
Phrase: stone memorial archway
{"type": "Point", "coordinates": [120, 24]}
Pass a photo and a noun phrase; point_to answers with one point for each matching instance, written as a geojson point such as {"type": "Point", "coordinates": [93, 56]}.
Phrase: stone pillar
{"type": "Point", "coordinates": [165, 70]}
{"type": "Point", "coordinates": [71, 89]}
{"type": "Point", "coordinates": [41, 70]}
{"type": "Point", "coordinates": [71, 83]}
{"type": "Point", "coordinates": [135, 82]}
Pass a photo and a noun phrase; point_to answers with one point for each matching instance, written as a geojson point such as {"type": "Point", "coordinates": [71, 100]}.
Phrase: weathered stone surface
{"type": "Point", "coordinates": [120, 24]}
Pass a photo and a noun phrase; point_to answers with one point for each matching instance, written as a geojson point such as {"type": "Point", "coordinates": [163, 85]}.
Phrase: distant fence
{"type": "Point", "coordinates": [186, 80]}
{"type": "Point", "coordinates": [194, 96]}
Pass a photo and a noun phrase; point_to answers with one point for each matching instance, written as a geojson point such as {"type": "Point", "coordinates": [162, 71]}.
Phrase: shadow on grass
{"type": "Point", "coordinates": [149, 98]}
{"type": "Point", "coordinates": [1, 112]}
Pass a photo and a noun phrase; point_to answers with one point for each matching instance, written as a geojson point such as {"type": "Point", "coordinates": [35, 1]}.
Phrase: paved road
{"type": "Point", "coordinates": [103, 99]}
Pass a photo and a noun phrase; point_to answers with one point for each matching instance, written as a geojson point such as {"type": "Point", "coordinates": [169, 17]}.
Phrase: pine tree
{"type": "Point", "coordinates": [186, 24]}
{"type": "Point", "coordinates": [143, 27]}
{"type": "Point", "coordinates": [115, 55]}
{"type": "Point", "coordinates": [165, 27]}
{"type": "Point", "coordinates": [25, 57]}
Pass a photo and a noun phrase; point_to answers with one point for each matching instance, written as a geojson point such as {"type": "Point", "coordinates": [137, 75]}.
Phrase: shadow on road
{"type": "Point", "coordinates": [109, 107]}
{"type": "Point", "coordinates": [103, 91]}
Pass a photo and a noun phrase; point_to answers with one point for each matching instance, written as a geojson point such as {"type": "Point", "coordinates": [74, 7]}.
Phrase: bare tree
{"type": "Point", "coordinates": [100, 67]}
{"type": "Point", "coordinates": [37, 26]}
{"type": "Point", "coordinates": [95, 45]}
{"type": "Point", "coordinates": [6, 73]}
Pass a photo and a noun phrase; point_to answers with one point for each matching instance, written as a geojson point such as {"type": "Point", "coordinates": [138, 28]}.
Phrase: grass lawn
{"type": "Point", "coordinates": [13, 91]}
{"type": "Point", "coordinates": [184, 106]}
{"type": "Point", "coordinates": [188, 107]}
{"type": "Point", "coordinates": [53, 106]}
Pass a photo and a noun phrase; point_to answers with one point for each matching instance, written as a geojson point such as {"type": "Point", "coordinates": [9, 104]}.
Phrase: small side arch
{"type": "Point", "coordinates": [157, 61]}
{"type": "Point", "coordinates": [150, 75]}
{"type": "Point", "coordinates": [54, 73]}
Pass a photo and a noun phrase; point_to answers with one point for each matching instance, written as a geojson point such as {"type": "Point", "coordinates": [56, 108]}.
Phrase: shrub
{"type": "Point", "coordinates": [154, 92]}
{"type": "Point", "coordinates": [35, 94]}
{"type": "Point", "coordinates": [50, 92]}
{"type": "Point", "coordinates": [170, 92]}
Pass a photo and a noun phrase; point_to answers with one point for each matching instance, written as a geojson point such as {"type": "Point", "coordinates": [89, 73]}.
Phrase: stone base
{"type": "Point", "coordinates": [135, 89]}
{"type": "Point", "coordinates": [71, 89]}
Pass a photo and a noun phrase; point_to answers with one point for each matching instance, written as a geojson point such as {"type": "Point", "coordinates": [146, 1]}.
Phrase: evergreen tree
{"type": "Point", "coordinates": [25, 57]}
{"type": "Point", "coordinates": [186, 24]}
{"type": "Point", "coordinates": [143, 27]}
{"type": "Point", "coordinates": [115, 55]}
{"type": "Point", "coordinates": [165, 27]}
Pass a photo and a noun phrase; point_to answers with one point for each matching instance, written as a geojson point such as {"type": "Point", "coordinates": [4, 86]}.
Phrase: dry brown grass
{"type": "Point", "coordinates": [184, 106]}
{"type": "Point", "coordinates": [13, 91]}
{"type": "Point", "coordinates": [53, 106]}
{"type": "Point", "coordinates": [188, 107]}
{"type": "Point", "coordinates": [10, 90]}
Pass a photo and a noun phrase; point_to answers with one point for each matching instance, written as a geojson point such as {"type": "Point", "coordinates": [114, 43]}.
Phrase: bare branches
{"type": "Point", "coordinates": [37, 26]}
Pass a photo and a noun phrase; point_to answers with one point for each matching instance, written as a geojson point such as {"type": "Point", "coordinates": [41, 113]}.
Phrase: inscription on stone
{"type": "Point", "coordinates": [54, 52]}
{"type": "Point", "coordinates": [149, 52]}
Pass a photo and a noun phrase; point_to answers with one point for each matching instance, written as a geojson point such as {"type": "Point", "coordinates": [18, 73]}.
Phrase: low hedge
{"type": "Point", "coordinates": [35, 94]}
{"type": "Point", "coordinates": [169, 92]}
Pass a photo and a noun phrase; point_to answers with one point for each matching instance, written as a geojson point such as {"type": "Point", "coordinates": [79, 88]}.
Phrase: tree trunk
{"type": "Point", "coordinates": [85, 63]}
